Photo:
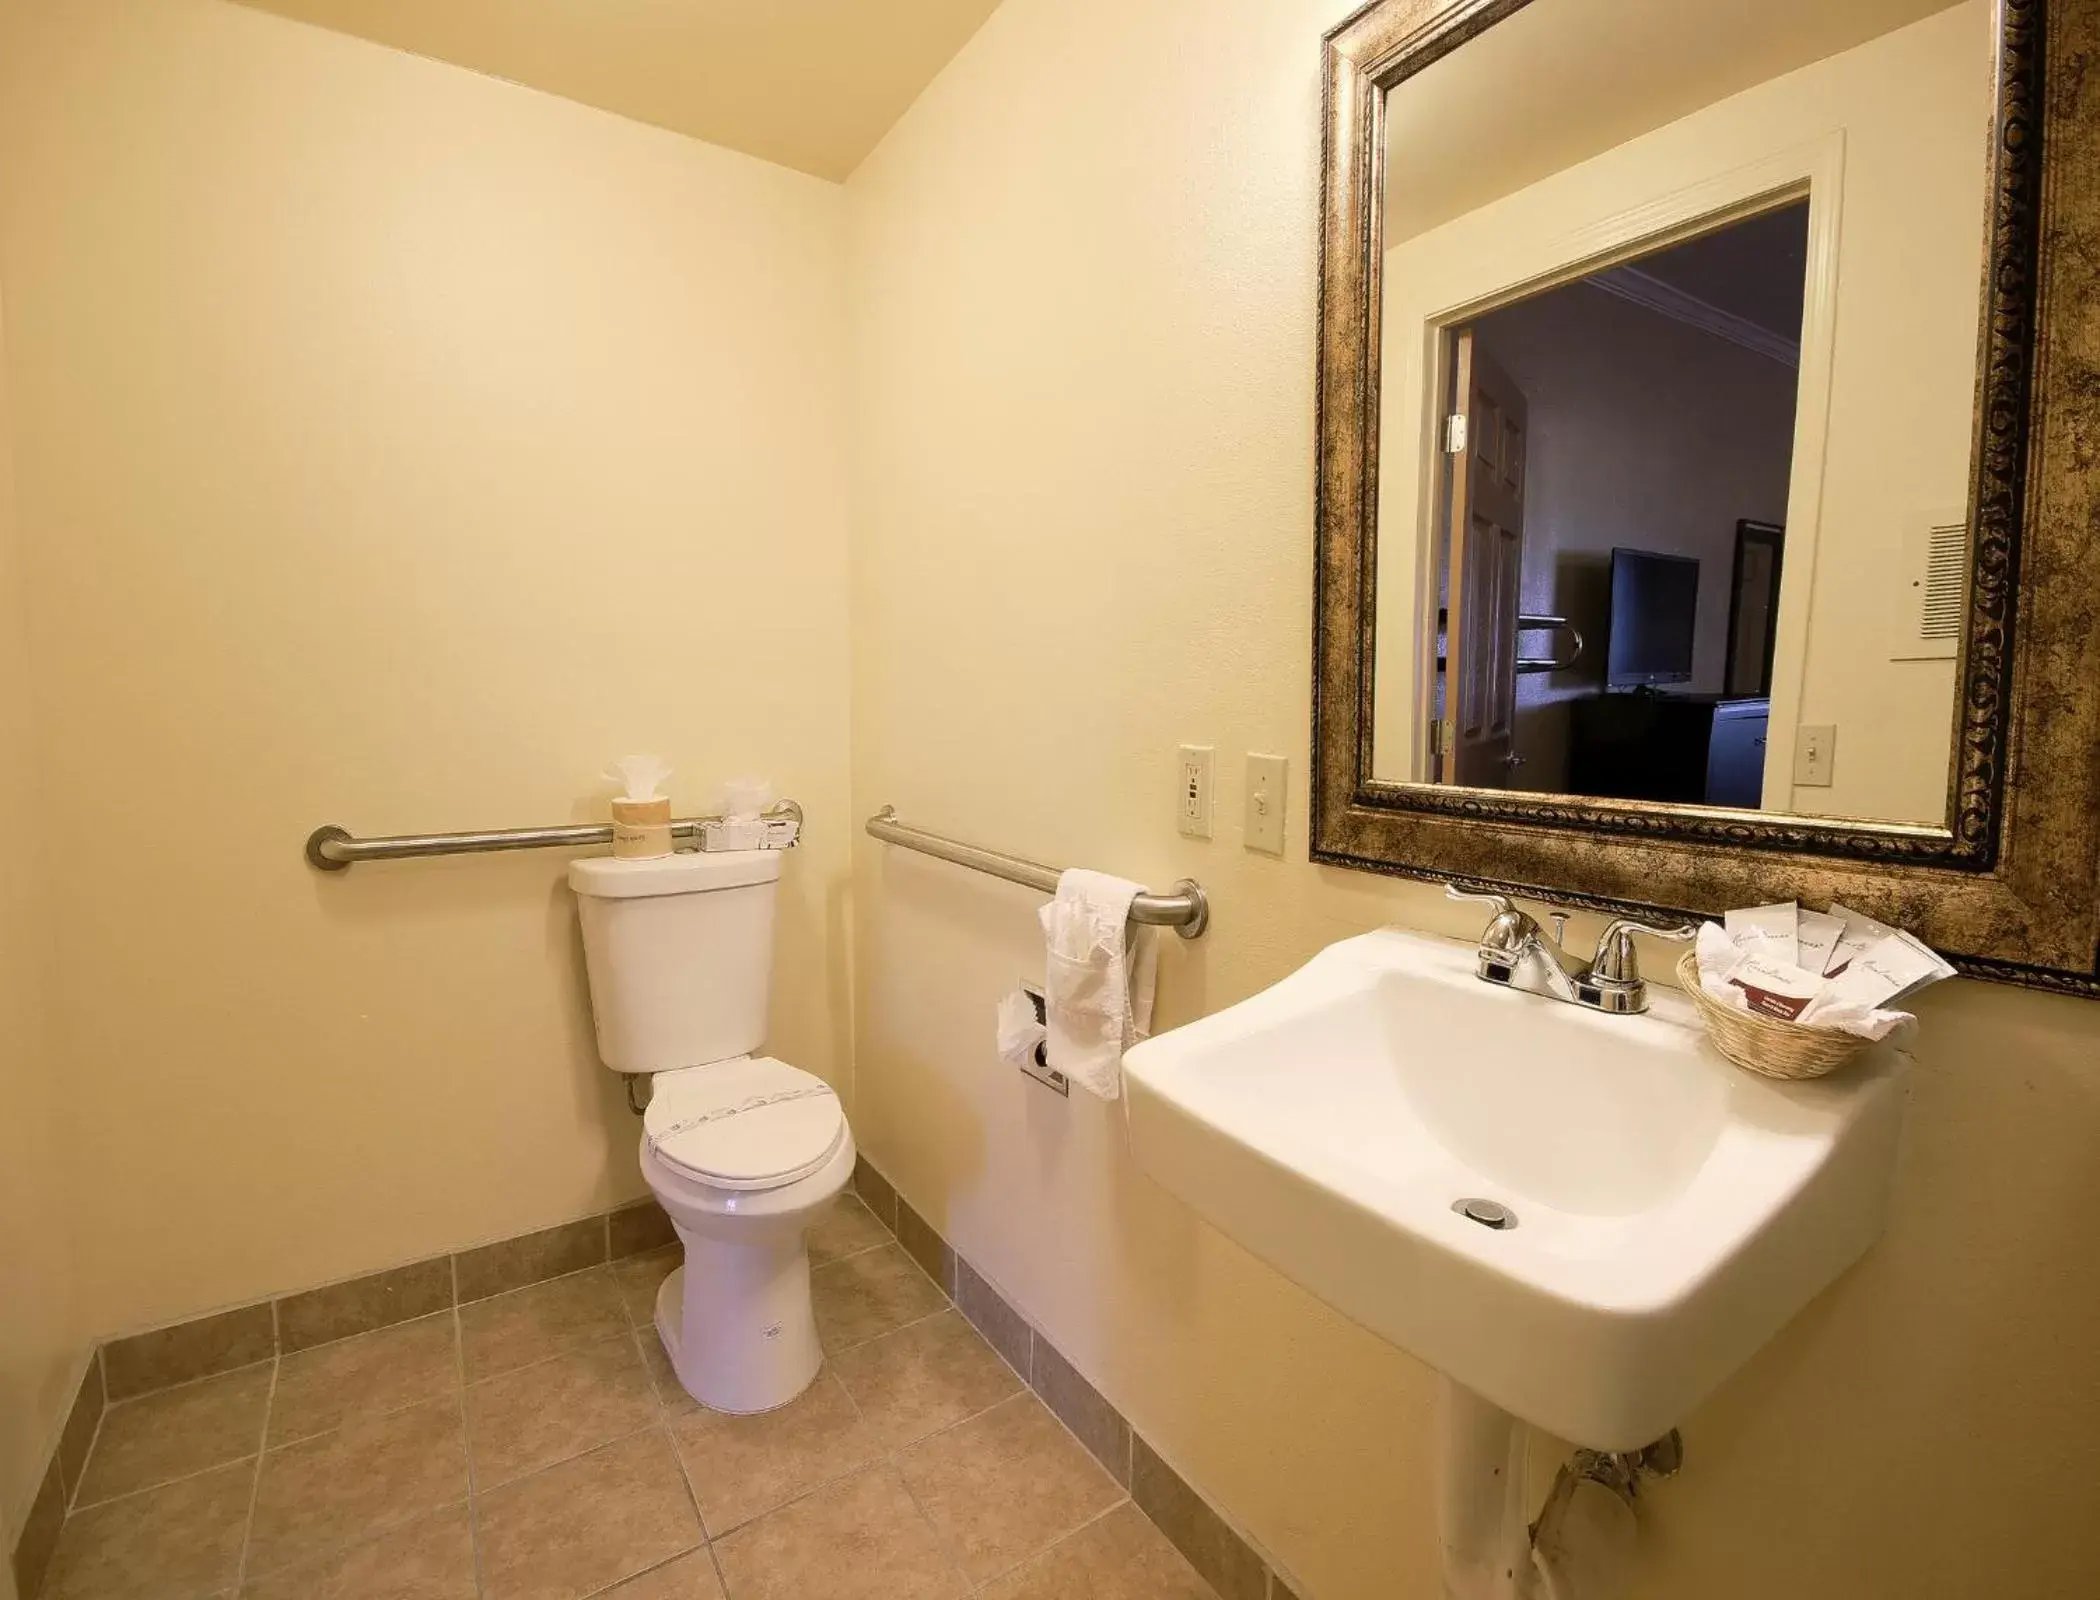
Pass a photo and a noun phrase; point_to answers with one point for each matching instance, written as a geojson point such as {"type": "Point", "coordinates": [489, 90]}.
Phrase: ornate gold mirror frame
{"type": "Point", "coordinates": [2011, 887]}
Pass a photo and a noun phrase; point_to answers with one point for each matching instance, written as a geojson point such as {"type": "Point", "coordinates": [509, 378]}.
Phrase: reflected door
{"type": "Point", "coordinates": [1485, 439]}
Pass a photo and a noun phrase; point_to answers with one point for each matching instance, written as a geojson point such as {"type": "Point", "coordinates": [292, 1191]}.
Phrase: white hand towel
{"type": "Point", "coordinates": [1097, 979]}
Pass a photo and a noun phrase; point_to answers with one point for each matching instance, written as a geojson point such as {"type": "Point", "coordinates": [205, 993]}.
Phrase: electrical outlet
{"type": "Point", "coordinates": [1815, 753]}
{"type": "Point", "coordinates": [1266, 780]}
{"type": "Point", "coordinates": [1192, 793]}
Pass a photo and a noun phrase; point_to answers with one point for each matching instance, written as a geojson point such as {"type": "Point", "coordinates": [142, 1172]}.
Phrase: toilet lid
{"type": "Point", "coordinates": [751, 1123]}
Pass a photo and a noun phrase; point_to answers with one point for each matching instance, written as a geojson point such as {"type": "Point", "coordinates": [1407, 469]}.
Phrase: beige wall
{"type": "Point", "coordinates": [1084, 277]}
{"type": "Point", "coordinates": [396, 447]}
{"type": "Point", "coordinates": [41, 1351]}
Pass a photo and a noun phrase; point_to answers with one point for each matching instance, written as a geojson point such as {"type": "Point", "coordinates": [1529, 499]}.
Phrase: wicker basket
{"type": "Point", "coordinates": [1766, 1045]}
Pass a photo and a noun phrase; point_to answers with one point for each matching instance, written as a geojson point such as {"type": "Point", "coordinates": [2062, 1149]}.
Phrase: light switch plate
{"type": "Point", "coordinates": [1192, 790]}
{"type": "Point", "coordinates": [1267, 781]}
{"type": "Point", "coordinates": [1815, 753]}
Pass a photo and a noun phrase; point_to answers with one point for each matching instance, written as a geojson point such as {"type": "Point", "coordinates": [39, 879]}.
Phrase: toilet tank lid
{"type": "Point", "coordinates": [687, 872]}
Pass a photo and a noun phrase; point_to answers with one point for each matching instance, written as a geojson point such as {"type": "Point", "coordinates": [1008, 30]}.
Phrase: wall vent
{"type": "Point", "coordinates": [1934, 598]}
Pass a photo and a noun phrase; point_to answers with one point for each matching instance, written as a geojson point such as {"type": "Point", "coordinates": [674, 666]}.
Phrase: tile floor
{"type": "Point", "coordinates": [534, 1446]}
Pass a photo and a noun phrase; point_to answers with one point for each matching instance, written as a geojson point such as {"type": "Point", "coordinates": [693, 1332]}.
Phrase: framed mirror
{"type": "Point", "coordinates": [1705, 413]}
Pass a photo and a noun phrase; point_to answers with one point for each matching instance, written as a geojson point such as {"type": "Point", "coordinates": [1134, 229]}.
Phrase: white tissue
{"type": "Point", "coordinates": [745, 799]}
{"type": "Point", "coordinates": [642, 776]}
{"type": "Point", "coordinates": [742, 825]}
{"type": "Point", "coordinates": [1021, 1032]}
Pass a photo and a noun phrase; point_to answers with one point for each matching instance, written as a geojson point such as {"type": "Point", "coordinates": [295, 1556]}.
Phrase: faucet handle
{"type": "Point", "coordinates": [1501, 902]}
{"type": "Point", "coordinates": [1616, 961]}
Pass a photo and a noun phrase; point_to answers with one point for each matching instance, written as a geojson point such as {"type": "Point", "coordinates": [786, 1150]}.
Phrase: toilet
{"type": "Point", "coordinates": [743, 1151]}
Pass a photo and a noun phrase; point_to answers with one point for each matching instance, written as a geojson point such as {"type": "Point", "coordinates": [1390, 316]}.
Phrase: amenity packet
{"type": "Point", "coordinates": [1775, 988]}
{"type": "Point", "coordinates": [1816, 935]}
{"type": "Point", "coordinates": [1889, 970]}
{"type": "Point", "coordinates": [1770, 931]}
{"type": "Point", "coordinates": [1861, 934]}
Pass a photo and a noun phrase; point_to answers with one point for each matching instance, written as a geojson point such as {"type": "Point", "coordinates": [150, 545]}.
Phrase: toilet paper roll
{"type": "Point", "coordinates": [1021, 1031]}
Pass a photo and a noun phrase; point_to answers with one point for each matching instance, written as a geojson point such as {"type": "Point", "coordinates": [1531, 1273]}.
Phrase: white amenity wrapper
{"type": "Point", "coordinates": [1889, 969]}
{"type": "Point", "coordinates": [1770, 929]}
{"type": "Point", "coordinates": [1817, 934]}
{"type": "Point", "coordinates": [1861, 932]}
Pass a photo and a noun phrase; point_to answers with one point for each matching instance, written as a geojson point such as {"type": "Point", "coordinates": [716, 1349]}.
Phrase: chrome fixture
{"type": "Point", "coordinates": [334, 849]}
{"type": "Point", "coordinates": [1186, 910]}
{"type": "Point", "coordinates": [1515, 952]}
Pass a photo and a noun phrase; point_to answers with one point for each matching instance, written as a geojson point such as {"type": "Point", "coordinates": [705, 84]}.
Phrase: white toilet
{"type": "Point", "coordinates": [743, 1151]}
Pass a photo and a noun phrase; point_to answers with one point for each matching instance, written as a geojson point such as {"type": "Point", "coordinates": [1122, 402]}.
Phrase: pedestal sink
{"type": "Point", "coordinates": [1584, 1221]}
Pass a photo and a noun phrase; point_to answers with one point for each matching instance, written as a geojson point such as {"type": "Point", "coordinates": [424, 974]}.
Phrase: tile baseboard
{"type": "Point", "coordinates": [201, 1347]}
{"type": "Point", "coordinates": [1227, 1561]}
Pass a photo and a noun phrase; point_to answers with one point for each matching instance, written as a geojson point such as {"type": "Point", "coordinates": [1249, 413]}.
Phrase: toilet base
{"type": "Point", "coordinates": [735, 1320]}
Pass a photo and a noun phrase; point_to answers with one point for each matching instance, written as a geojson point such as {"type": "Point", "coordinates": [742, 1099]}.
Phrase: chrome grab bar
{"type": "Point", "coordinates": [333, 849]}
{"type": "Point", "coordinates": [1186, 910]}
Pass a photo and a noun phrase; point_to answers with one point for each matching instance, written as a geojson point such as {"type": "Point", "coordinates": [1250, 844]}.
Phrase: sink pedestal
{"type": "Point", "coordinates": [1480, 1497]}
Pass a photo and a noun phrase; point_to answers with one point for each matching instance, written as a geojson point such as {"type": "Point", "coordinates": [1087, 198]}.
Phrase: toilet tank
{"type": "Point", "coordinates": [680, 955]}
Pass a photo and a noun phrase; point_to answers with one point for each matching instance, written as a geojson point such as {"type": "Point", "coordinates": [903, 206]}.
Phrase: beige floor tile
{"type": "Point", "coordinates": [865, 1296]}
{"type": "Point", "coordinates": [182, 1539]}
{"type": "Point", "coordinates": [176, 1432]}
{"type": "Point", "coordinates": [429, 1559]}
{"type": "Point", "coordinates": [690, 1577]}
{"type": "Point", "coordinates": [587, 1523]}
{"type": "Point", "coordinates": [340, 1488]}
{"type": "Point", "coordinates": [742, 1466]}
{"type": "Point", "coordinates": [859, 1539]}
{"type": "Point", "coordinates": [638, 1277]}
{"type": "Point", "coordinates": [368, 1375]}
{"type": "Point", "coordinates": [1006, 1485]}
{"type": "Point", "coordinates": [561, 1407]}
{"type": "Point", "coordinates": [929, 1375]}
{"type": "Point", "coordinates": [848, 1228]}
{"type": "Point", "coordinates": [670, 1393]}
{"type": "Point", "coordinates": [527, 1325]}
{"type": "Point", "coordinates": [1118, 1557]}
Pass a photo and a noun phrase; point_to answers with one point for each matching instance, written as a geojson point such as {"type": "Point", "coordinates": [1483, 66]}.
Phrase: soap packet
{"type": "Point", "coordinates": [1861, 933]}
{"type": "Point", "coordinates": [1770, 931]}
{"type": "Point", "coordinates": [1889, 970]}
{"type": "Point", "coordinates": [1816, 934]}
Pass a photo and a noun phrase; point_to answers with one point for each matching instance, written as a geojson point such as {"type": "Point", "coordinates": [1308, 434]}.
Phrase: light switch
{"type": "Point", "coordinates": [1192, 791]}
{"type": "Point", "coordinates": [1267, 777]}
{"type": "Point", "coordinates": [1815, 753]}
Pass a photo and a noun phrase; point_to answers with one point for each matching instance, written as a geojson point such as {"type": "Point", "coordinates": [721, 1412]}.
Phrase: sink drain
{"type": "Point", "coordinates": [1488, 1213]}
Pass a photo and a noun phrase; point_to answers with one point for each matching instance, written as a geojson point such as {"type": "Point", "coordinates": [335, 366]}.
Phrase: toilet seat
{"type": "Point", "coordinates": [744, 1124]}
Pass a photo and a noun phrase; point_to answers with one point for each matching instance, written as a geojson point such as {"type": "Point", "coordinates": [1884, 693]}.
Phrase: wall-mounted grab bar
{"type": "Point", "coordinates": [334, 849]}
{"type": "Point", "coordinates": [1186, 910]}
{"type": "Point", "coordinates": [1527, 623]}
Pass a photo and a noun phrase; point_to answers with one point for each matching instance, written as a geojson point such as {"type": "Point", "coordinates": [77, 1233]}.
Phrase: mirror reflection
{"type": "Point", "coordinates": [1678, 372]}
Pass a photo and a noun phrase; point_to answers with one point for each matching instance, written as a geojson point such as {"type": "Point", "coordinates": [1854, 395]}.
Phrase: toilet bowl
{"type": "Point", "coordinates": [744, 1156]}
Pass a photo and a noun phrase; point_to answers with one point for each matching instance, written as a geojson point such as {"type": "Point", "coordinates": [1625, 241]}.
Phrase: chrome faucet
{"type": "Point", "coordinates": [1515, 952]}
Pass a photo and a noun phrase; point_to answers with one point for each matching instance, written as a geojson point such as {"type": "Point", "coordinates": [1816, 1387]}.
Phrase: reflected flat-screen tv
{"type": "Point", "coordinates": [1654, 603]}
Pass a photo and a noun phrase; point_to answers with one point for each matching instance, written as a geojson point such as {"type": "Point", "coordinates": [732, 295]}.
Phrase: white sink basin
{"type": "Point", "coordinates": [1672, 1212]}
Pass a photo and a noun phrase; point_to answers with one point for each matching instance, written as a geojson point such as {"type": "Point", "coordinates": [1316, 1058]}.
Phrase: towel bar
{"type": "Point", "coordinates": [1186, 910]}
